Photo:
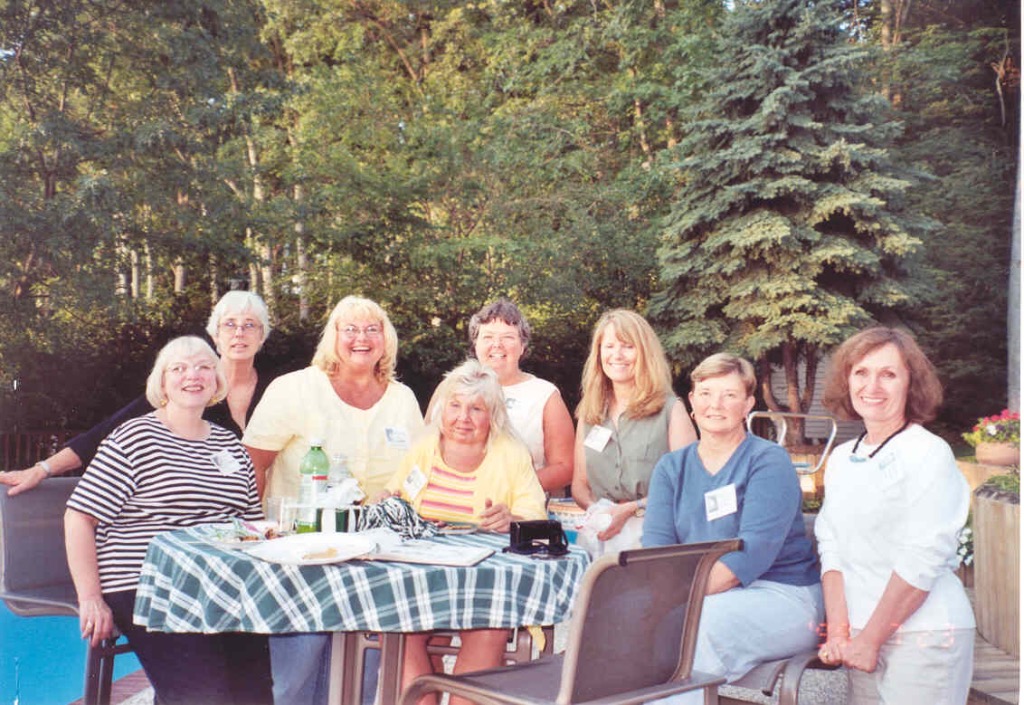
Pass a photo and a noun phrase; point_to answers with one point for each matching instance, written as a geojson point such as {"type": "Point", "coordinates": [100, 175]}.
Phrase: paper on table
{"type": "Point", "coordinates": [431, 553]}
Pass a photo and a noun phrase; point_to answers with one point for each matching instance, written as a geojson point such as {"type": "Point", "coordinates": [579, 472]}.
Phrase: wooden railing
{"type": "Point", "coordinates": [28, 447]}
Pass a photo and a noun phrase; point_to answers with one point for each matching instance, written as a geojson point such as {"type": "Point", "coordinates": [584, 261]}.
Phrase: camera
{"type": "Point", "coordinates": [542, 537]}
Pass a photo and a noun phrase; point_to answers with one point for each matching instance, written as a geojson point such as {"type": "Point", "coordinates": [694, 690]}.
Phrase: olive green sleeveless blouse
{"type": "Point", "coordinates": [622, 470]}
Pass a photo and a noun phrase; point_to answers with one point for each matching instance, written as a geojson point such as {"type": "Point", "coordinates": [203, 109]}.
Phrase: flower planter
{"type": "Point", "coordinates": [1002, 454]}
{"type": "Point", "coordinates": [997, 567]}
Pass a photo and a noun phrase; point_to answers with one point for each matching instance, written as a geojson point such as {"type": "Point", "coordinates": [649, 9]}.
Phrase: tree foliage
{"type": "Point", "coordinates": [788, 229]}
{"type": "Point", "coordinates": [437, 154]}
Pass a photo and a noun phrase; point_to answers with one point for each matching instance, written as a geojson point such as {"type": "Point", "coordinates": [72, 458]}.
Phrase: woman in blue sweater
{"type": "Point", "coordinates": [764, 601]}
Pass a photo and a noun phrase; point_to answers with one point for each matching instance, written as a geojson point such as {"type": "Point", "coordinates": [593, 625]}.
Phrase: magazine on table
{"type": "Point", "coordinates": [390, 547]}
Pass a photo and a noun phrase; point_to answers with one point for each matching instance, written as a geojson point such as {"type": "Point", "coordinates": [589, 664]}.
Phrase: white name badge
{"type": "Point", "coordinates": [414, 483]}
{"type": "Point", "coordinates": [397, 438]}
{"type": "Point", "coordinates": [597, 438]}
{"type": "Point", "coordinates": [225, 462]}
{"type": "Point", "coordinates": [720, 503]}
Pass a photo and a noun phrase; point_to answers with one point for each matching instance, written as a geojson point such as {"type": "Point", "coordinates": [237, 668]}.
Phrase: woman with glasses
{"type": "Point", "coordinates": [500, 338]}
{"type": "Point", "coordinates": [349, 398]}
{"type": "Point", "coordinates": [238, 325]}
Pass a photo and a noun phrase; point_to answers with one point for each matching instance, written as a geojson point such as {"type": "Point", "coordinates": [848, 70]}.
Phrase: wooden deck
{"type": "Point", "coordinates": [996, 676]}
{"type": "Point", "coordinates": [996, 681]}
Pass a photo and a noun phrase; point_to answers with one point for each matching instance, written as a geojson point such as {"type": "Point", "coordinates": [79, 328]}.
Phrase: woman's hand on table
{"type": "Point", "coordinates": [495, 517]}
{"type": "Point", "coordinates": [620, 514]}
{"type": "Point", "coordinates": [95, 620]}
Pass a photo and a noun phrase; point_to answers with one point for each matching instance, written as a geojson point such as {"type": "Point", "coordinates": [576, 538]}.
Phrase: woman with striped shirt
{"type": "Point", "coordinates": [471, 468]}
{"type": "Point", "coordinates": [163, 471]}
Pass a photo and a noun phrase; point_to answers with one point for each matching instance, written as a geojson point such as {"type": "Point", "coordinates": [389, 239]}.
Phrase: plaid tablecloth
{"type": "Point", "coordinates": [190, 585]}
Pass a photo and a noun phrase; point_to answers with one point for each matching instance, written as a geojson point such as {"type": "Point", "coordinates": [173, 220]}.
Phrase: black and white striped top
{"type": "Point", "coordinates": [145, 480]}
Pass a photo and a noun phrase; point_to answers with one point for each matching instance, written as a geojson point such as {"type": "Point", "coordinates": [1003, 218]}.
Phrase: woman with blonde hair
{"type": "Point", "coordinates": [349, 399]}
{"type": "Point", "coordinates": [159, 472]}
{"type": "Point", "coordinates": [470, 468]}
{"type": "Point", "coordinates": [628, 418]}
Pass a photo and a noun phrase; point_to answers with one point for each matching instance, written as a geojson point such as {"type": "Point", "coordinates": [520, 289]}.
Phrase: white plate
{"type": "Point", "coordinates": [224, 535]}
{"type": "Point", "coordinates": [314, 548]}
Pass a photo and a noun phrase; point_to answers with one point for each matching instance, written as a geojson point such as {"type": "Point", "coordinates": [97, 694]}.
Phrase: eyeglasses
{"type": "Point", "coordinates": [232, 327]}
{"type": "Point", "coordinates": [371, 331]}
{"type": "Point", "coordinates": [180, 368]}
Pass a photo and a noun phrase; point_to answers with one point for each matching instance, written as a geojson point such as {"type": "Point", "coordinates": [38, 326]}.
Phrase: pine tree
{"type": "Point", "coordinates": [786, 232]}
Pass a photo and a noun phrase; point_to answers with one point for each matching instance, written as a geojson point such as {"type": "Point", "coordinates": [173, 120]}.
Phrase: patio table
{"type": "Point", "coordinates": [190, 585]}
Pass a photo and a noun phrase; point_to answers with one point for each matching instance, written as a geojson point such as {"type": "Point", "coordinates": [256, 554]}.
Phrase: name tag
{"type": "Point", "coordinates": [597, 438]}
{"type": "Point", "coordinates": [720, 503]}
{"type": "Point", "coordinates": [414, 483]}
{"type": "Point", "coordinates": [397, 438]}
{"type": "Point", "coordinates": [225, 462]}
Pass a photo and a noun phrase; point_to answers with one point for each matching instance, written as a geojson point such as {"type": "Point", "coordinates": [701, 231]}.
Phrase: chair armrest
{"type": "Point", "coordinates": [794, 672]}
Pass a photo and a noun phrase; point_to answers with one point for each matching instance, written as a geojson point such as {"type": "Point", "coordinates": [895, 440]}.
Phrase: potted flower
{"type": "Point", "coordinates": [996, 439]}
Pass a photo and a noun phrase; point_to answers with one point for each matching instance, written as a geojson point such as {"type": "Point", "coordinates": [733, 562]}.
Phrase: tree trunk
{"type": "Point", "coordinates": [136, 274]}
{"type": "Point", "coordinates": [179, 277]}
{"type": "Point", "coordinates": [791, 369]}
{"type": "Point", "coordinates": [214, 286]}
{"type": "Point", "coordinates": [150, 284]}
{"type": "Point", "coordinates": [1013, 314]}
{"type": "Point", "coordinates": [267, 274]}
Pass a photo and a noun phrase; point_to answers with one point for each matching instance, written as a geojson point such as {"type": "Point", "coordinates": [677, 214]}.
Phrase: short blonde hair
{"type": "Point", "coordinates": [185, 346]}
{"type": "Point", "coordinates": [653, 376]}
{"type": "Point", "coordinates": [239, 302]}
{"type": "Point", "coordinates": [473, 379]}
{"type": "Point", "coordinates": [722, 364]}
{"type": "Point", "coordinates": [924, 390]}
{"type": "Point", "coordinates": [326, 355]}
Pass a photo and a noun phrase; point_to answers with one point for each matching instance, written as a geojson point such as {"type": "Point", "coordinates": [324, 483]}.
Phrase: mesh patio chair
{"type": "Point", "coordinates": [34, 576]}
{"type": "Point", "coordinates": [631, 638]}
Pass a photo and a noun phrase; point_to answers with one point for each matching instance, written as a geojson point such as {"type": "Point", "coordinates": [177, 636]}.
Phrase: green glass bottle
{"type": "Point", "coordinates": [312, 483]}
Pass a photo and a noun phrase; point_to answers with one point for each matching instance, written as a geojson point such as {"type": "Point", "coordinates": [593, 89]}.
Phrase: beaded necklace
{"type": "Point", "coordinates": [857, 459]}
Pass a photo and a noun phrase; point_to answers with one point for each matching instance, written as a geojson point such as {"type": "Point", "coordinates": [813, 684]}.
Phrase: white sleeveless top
{"type": "Point", "coordinates": [525, 403]}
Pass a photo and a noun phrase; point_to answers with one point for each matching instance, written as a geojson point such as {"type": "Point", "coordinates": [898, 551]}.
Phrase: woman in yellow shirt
{"type": "Point", "coordinates": [469, 468]}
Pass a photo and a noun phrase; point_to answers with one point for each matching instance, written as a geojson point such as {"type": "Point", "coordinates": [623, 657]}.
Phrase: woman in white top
{"type": "Point", "coordinates": [500, 337]}
{"type": "Point", "coordinates": [898, 617]}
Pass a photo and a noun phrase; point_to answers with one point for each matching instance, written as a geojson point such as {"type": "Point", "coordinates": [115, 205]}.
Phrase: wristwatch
{"type": "Point", "coordinates": [641, 507]}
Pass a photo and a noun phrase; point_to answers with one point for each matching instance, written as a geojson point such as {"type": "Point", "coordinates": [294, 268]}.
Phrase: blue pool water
{"type": "Point", "coordinates": [42, 660]}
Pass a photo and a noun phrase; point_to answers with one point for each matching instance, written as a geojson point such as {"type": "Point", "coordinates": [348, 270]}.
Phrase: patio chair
{"type": "Point", "coordinates": [631, 638]}
{"type": "Point", "coordinates": [788, 671]}
{"type": "Point", "coordinates": [34, 576]}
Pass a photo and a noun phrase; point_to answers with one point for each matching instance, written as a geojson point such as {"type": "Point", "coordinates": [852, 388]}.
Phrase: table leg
{"type": "Point", "coordinates": [392, 651]}
{"type": "Point", "coordinates": [346, 676]}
